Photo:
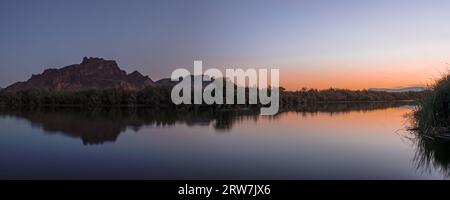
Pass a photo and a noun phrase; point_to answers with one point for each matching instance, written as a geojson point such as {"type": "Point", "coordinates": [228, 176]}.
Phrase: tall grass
{"type": "Point", "coordinates": [431, 128]}
{"type": "Point", "coordinates": [432, 114]}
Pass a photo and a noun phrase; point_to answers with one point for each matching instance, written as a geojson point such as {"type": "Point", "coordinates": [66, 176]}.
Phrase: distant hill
{"type": "Point", "coordinates": [404, 89]}
{"type": "Point", "coordinates": [169, 83]}
{"type": "Point", "coordinates": [166, 82]}
{"type": "Point", "coordinates": [91, 73]}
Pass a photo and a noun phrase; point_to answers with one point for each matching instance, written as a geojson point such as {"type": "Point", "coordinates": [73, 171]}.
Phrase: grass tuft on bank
{"type": "Point", "coordinates": [432, 116]}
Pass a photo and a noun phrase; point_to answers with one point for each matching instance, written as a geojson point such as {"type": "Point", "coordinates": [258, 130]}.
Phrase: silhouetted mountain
{"type": "Point", "coordinates": [405, 89]}
{"type": "Point", "coordinates": [169, 83]}
{"type": "Point", "coordinates": [166, 82]}
{"type": "Point", "coordinates": [91, 73]}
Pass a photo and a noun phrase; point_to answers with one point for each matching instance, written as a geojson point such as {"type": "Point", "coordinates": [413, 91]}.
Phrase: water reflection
{"type": "Point", "coordinates": [431, 154]}
{"type": "Point", "coordinates": [346, 107]}
{"type": "Point", "coordinates": [105, 124]}
{"type": "Point", "coordinates": [101, 125]}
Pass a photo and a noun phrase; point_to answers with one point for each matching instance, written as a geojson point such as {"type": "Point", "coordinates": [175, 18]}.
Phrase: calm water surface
{"type": "Point", "coordinates": [331, 142]}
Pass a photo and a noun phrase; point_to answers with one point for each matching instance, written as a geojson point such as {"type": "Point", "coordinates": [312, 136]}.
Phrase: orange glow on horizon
{"type": "Point", "coordinates": [360, 78]}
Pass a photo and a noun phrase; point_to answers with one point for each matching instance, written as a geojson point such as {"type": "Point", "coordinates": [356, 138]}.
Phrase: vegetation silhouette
{"type": "Point", "coordinates": [160, 97]}
{"type": "Point", "coordinates": [430, 128]}
{"type": "Point", "coordinates": [432, 116]}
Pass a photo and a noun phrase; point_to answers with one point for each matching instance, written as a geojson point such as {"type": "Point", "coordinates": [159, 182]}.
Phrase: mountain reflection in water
{"type": "Point", "coordinates": [320, 141]}
{"type": "Point", "coordinates": [100, 125]}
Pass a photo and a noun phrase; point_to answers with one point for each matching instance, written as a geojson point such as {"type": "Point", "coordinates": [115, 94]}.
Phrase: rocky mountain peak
{"type": "Point", "coordinates": [92, 73]}
{"type": "Point", "coordinates": [90, 60]}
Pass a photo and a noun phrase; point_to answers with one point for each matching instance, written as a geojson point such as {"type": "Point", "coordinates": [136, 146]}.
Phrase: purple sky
{"type": "Point", "coordinates": [382, 43]}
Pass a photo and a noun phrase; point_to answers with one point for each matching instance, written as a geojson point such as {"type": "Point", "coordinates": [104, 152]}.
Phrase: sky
{"type": "Point", "coordinates": [315, 44]}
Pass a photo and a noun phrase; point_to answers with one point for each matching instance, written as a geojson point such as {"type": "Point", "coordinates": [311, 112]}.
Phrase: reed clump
{"type": "Point", "coordinates": [432, 116]}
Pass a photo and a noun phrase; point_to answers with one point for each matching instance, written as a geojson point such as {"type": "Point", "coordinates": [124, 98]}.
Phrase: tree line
{"type": "Point", "coordinates": [161, 97]}
{"type": "Point", "coordinates": [307, 96]}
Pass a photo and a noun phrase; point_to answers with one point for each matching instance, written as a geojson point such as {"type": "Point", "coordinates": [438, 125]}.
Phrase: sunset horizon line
{"type": "Point", "coordinates": [292, 80]}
